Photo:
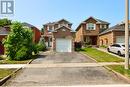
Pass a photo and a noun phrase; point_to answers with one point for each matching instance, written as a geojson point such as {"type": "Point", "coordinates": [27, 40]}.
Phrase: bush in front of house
{"type": "Point", "coordinates": [103, 46]}
{"type": "Point", "coordinates": [41, 46]}
{"type": "Point", "coordinates": [18, 44]}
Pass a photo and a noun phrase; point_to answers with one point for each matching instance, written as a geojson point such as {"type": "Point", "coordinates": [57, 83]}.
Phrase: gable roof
{"type": "Point", "coordinates": [63, 27]}
{"type": "Point", "coordinates": [4, 31]}
{"type": "Point", "coordinates": [63, 20]}
{"type": "Point", "coordinates": [98, 21]}
{"type": "Point", "coordinates": [57, 22]}
{"type": "Point", "coordinates": [118, 27]}
{"type": "Point", "coordinates": [27, 24]}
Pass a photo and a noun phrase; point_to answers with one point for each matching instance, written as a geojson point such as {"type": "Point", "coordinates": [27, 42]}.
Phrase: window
{"type": "Point", "coordinates": [116, 45]}
{"type": "Point", "coordinates": [129, 26]}
{"type": "Point", "coordinates": [63, 24]}
{"type": "Point", "coordinates": [90, 26]}
{"type": "Point", "coordinates": [50, 29]}
{"type": "Point", "coordinates": [103, 26]}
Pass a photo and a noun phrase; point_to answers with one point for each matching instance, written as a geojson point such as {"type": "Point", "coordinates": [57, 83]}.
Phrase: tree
{"type": "Point", "coordinates": [18, 44]}
{"type": "Point", "coordinates": [4, 22]}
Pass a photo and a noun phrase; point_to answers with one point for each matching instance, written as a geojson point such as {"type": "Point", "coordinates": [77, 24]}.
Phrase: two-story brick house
{"type": "Point", "coordinates": [88, 31]}
{"type": "Point", "coordinates": [59, 36]}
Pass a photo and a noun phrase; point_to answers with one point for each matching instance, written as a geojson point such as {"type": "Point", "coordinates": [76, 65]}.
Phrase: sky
{"type": "Point", "coordinates": [39, 12]}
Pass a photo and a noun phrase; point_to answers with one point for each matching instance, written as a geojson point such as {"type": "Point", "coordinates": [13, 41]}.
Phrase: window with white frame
{"type": "Point", "coordinates": [91, 26]}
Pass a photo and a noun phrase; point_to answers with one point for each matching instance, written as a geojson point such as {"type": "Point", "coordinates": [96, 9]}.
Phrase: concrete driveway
{"type": "Point", "coordinates": [63, 76]}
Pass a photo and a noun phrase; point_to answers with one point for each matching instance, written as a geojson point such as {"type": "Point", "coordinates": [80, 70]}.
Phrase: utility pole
{"type": "Point", "coordinates": [126, 34]}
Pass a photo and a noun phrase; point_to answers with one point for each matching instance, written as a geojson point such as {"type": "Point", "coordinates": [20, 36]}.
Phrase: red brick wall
{"type": "Point", "coordinates": [37, 35]}
{"type": "Point", "coordinates": [1, 45]}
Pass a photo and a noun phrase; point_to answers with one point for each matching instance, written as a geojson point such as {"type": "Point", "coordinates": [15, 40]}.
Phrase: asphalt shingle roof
{"type": "Point", "coordinates": [118, 27]}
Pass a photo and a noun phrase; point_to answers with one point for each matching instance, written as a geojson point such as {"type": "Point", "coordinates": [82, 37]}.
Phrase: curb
{"type": "Point", "coordinates": [118, 74]}
{"type": "Point", "coordinates": [127, 79]}
{"type": "Point", "coordinates": [2, 81]}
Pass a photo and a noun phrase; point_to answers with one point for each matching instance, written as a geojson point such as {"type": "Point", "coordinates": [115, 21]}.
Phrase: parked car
{"type": "Point", "coordinates": [118, 48]}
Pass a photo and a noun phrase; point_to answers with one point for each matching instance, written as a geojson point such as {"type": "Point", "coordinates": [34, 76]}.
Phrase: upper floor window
{"type": "Point", "coordinates": [60, 25]}
{"type": "Point", "coordinates": [91, 26]}
{"type": "Point", "coordinates": [129, 26]}
{"type": "Point", "coordinates": [50, 29]}
{"type": "Point", "coordinates": [103, 26]}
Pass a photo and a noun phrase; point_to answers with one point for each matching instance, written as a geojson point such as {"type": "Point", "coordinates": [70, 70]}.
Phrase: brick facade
{"type": "Point", "coordinates": [83, 35]}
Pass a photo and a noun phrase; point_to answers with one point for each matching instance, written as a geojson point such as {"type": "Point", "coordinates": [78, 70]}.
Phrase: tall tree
{"type": "Point", "coordinates": [4, 22]}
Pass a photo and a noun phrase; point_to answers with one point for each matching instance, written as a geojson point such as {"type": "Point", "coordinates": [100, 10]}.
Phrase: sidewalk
{"type": "Point", "coordinates": [59, 65]}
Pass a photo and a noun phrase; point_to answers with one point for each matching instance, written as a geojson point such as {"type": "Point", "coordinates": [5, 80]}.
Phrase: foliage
{"type": "Point", "coordinates": [101, 56]}
{"type": "Point", "coordinates": [41, 46]}
{"type": "Point", "coordinates": [19, 43]}
{"type": "Point", "coordinates": [103, 46]}
{"type": "Point", "coordinates": [4, 22]}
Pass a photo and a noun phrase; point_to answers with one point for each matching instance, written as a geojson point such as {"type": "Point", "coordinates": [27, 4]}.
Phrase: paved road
{"type": "Point", "coordinates": [63, 76]}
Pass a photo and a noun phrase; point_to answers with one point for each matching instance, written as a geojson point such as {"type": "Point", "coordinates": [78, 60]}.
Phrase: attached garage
{"type": "Point", "coordinates": [63, 45]}
{"type": "Point", "coordinates": [121, 39]}
{"type": "Point", "coordinates": [63, 39]}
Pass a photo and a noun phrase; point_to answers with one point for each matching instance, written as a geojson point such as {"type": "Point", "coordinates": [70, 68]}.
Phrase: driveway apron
{"type": "Point", "coordinates": [62, 76]}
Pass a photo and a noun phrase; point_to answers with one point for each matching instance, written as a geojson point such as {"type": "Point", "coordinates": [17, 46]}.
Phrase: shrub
{"type": "Point", "coordinates": [18, 44]}
{"type": "Point", "coordinates": [41, 46]}
{"type": "Point", "coordinates": [103, 46]}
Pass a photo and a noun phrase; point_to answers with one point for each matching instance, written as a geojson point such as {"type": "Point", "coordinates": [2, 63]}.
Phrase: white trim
{"type": "Point", "coordinates": [87, 26]}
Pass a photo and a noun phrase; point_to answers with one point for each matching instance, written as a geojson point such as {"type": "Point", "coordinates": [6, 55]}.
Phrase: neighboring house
{"type": "Point", "coordinates": [88, 31]}
{"type": "Point", "coordinates": [3, 33]}
{"type": "Point", "coordinates": [115, 34]}
{"type": "Point", "coordinates": [59, 36]}
{"type": "Point", "coordinates": [36, 32]}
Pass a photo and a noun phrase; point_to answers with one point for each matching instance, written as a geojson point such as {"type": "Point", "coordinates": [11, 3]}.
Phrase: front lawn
{"type": "Point", "coordinates": [4, 60]}
{"type": "Point", "coordinates": [5, 72]}
{"type": "Point", "coordinates": [120, 69]}
{"type": "Point", "coordinates": [13, 62]}
{"type": "Point", "coordinates": [100, 56]}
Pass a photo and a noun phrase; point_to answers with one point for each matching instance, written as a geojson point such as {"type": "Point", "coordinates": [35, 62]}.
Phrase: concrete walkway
{"type": "Point", "coordinates": [58, 65]}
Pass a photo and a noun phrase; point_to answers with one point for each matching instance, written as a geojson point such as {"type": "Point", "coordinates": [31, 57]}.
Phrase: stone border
{"type": "Point", "coordinates": [2, 81]}
{"type": "Point", "coordinates": [127, 79]}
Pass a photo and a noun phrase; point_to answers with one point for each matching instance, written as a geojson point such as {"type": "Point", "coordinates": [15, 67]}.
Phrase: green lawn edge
{"type": "Point", "coordinates": [120, 69]}
{"type": "Point", "coordinates": [5, 72]}
{"type": "Point", "coordinates": [100, 56]}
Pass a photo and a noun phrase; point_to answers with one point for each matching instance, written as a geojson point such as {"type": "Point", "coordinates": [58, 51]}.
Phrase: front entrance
{"type": "Point", "coordinates": [92, 40]}
{"type": "Point", "coordinates": [1, 48]}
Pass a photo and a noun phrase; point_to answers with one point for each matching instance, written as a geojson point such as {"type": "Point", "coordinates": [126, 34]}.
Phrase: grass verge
{"type": "Point", "coordinates": [4, 60]}
{"type": "Point", "coordinates": [100, 56]}
{"type": "Point", "coordinates": [5, 72]}
{"type": "Point", "coordinates": [120, 69]}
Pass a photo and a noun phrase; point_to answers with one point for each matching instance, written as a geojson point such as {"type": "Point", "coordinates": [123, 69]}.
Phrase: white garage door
{"type": "Point", "coordinates": [63, 45]}
{"type": "Point", "coordinates": [121, 39]}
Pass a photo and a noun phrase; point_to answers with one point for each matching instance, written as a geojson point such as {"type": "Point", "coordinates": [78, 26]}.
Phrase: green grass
{"type": "Point", "coordinates": [5, 72]}
{"type": "Point", "coordinates": [13, 62]}
{"type": "Point", "coordinates": [6, 61]}
{"type": "Point", "coordinates": [101, 56]}
{"type": "Point", "coordinates": [120, 69]}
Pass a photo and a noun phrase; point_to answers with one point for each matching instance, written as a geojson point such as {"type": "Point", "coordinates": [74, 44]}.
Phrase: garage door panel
{"type": "Point", "coordinates": [63, 45]}
{"type": "Point", "coordinates": [121, 39]}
